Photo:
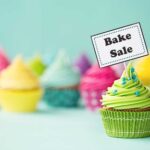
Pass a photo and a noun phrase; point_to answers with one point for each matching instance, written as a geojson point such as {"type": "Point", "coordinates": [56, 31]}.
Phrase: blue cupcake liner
{"type": "Point", "coordinates": [61, 97]}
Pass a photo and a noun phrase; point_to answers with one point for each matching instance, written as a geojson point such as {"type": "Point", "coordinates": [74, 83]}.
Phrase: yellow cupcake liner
{"type": "Point", "coordinates": [20, 100]}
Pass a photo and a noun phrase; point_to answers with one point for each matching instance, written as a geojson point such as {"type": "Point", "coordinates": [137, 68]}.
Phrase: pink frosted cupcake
{"type": "Point", "coordinates": [4, 62]}
{"type": "Point", "coordinates": [119, 68]}
{"type": "Point", "coordinates": [94, 83]}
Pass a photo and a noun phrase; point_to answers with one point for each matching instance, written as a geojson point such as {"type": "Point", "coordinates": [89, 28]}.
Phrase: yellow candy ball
{"type": "Point", "coordinates": [142, 67]}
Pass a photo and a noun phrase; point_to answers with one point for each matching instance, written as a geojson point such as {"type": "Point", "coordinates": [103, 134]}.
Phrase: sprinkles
{"type": "Point", "coordinates": [132, 69]}
{"type": "Point", "coordinates": [134, 77]}
{"type": "Point", "coordinates": [123, 79]}
{"type": "Point", "coordinates": [123, 82]}
{"type": "Point", "coordinates": [129, 78]}
{"type": "Point", "coordinates": [115, 91]}
{"type": "Point", "coordinates": [137, 93]}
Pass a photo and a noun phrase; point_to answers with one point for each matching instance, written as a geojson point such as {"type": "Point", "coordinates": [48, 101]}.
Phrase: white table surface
{"type": "Point", "coordinates": [61, 129]}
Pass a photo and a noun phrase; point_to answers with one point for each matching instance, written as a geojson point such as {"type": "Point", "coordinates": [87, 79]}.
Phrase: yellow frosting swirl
{"type": "Point", "coordinates": [18, 77]}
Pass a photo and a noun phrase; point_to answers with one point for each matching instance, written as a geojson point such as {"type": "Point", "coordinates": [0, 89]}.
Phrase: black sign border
{"type": "Point", "coordinates": [117, 29]}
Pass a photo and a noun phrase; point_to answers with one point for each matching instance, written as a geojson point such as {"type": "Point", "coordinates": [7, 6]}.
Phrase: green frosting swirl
{"type": "Point", "coordinates": [128, 92]}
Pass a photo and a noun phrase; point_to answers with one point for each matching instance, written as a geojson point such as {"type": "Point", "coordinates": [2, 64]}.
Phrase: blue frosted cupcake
{"type": "Point", "coordinates": [61, 82]}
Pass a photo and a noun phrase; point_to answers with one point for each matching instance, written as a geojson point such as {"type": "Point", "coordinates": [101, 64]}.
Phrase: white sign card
{"type": "Point", "coordinates": [119, 45]}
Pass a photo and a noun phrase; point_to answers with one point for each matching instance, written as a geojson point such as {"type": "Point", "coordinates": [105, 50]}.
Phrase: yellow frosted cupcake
{"type": "Point", "coordinates": [20, 90]}
{"type": "Point", "coordinates": [142, 68]}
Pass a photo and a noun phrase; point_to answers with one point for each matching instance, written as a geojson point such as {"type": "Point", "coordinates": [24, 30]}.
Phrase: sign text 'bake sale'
{"type": "Point", "coordinates": [119, 45]}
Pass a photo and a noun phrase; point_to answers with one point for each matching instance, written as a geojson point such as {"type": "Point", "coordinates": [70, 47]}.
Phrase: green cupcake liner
{"type": "Point", "coordinates": [126, 124]}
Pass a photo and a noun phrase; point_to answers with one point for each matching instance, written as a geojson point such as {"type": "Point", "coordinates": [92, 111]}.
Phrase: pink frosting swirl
{"type": "Point", "coordinates": [98, 78]}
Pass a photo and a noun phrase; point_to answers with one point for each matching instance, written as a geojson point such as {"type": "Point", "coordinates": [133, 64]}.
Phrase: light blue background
{"type": "Point", "coordinates": [28, 26]}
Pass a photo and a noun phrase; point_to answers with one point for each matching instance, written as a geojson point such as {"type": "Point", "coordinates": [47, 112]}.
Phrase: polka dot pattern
{"type": "Point", "coordinates": [92, 98]}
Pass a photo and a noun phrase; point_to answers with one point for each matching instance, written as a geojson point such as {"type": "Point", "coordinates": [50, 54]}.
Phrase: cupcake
{"type": "Point", "coordinates": [119, 68]}
{"type": "Point", "coordinates": [36, 65]}
{"type": "Point", "coordinates": [82, 64]}
{"type": "Point", "coordinates": [94, 83]}
{"type": "Point", "coordinates": [61, 82]}
{"type": "Point", "coordinates": [126, 107]}
{"type": "Point", "coordinates": [19, 88]}
{"type": "Point", "coordinates": [142, 68]}
{"type": "Point", "coordinates": [4, 62]}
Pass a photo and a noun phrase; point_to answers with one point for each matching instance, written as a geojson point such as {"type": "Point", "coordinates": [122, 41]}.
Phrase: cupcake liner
{"type": "Point", "coordinates": [92, 98]}
{"type": "Point", "coordinates": [125, 124]}
{"type": "Point", "coordinates": [61, 97]}
{"type": "Point", "coordinates": [20, 100]}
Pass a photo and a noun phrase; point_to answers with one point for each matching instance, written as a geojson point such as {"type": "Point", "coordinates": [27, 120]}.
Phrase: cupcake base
{"type": "Point", "coordinates": [20, 100]}
{"type": "Point", "coordinates": [92, 99]}
{"type": "Point", "coordinates": [61, 97]}
{"type": "Point", "coordinates": [126, 124]}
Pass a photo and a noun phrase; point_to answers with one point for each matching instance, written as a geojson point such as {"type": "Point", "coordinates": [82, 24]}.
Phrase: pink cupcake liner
{"type": "Point", "coordinates": [92, 98]}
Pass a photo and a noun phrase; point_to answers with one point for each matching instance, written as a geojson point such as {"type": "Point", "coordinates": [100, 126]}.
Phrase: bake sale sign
{"type": "Point", "coordinates": [119, 45]}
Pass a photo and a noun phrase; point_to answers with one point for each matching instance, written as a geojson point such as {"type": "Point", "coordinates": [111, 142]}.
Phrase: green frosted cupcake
{"type": "Point", "coordinates": [36, 65]}
{"type": "Point", "coordinates": [126, 107]}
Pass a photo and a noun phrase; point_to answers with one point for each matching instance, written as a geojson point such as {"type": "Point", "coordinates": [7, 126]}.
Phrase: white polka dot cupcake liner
{"type": "Point", "coordinates": [92, 98]}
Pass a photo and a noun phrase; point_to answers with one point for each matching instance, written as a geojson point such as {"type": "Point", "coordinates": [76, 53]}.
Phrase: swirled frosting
{"type": "Point", "coordinates": [98, 78]}
{"type": "Point", "coordinates": [127, 93]}
{"type": "Point", "coordinates": [82, 63]}
{"type": "Point", "coordinates": [18, 76]}
{"type": "Point", "coordinates": [61, 73]}
{"type": "Point", "coordinates": [36, 65]}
